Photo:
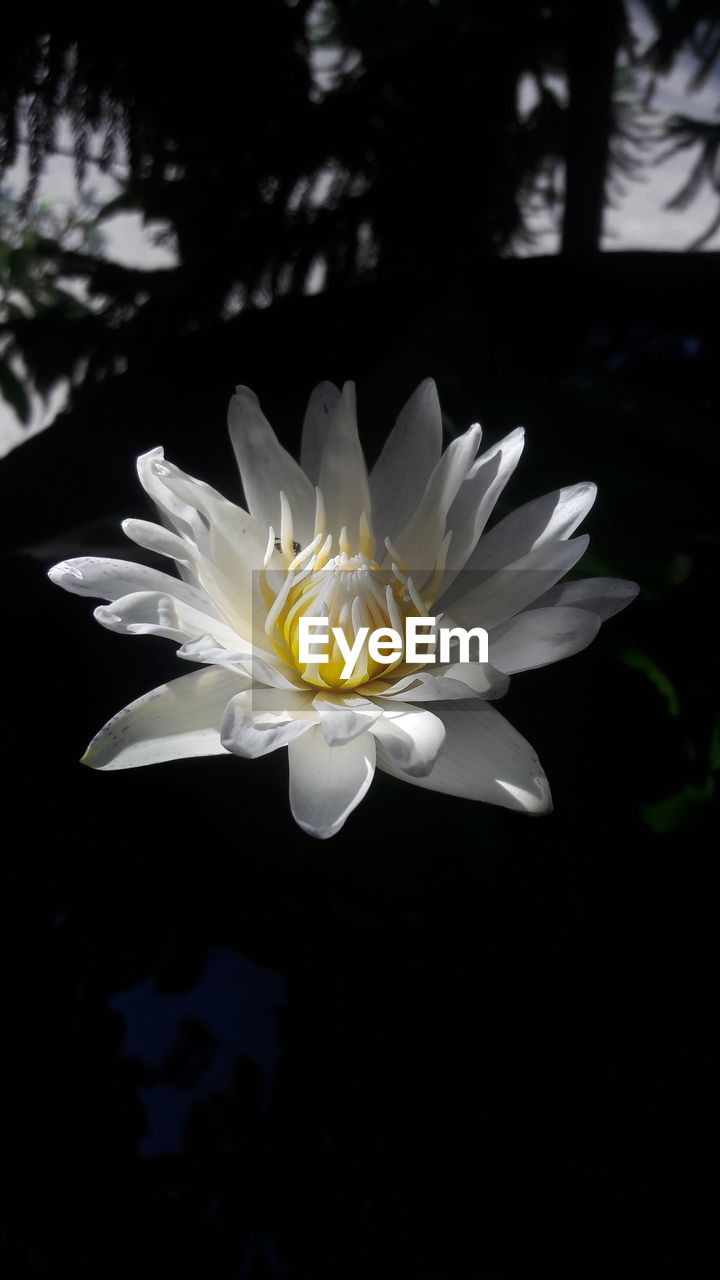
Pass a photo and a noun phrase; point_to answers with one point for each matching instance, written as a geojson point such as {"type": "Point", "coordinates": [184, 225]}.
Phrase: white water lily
{"type": "Point", "coordinates": [324, 537]}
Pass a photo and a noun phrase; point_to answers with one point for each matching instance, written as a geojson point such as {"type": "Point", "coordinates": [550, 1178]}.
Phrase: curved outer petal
{"type": "Point", "coordinates": [322, 406]}
{"type": "Point", "coordinates": [266, 468]}
{"type": "Point", "coordinates": [235, 596]}
{"type": "Point", "coordinates": [343, 719]}
{"type": "Point", "coordinates": [272, 674]}
{"type": "Point", "coordinates": [541, 636]}
{"type": "Point", "coordinates": [164, 542]}
{"type": "Point", "coordinates": [175, 721]}
{"type": "Point", "coordinates": [327, 783]}
{"type": "Point", "coordinates": [155, 613]}
{"type": "Point", "coordinates": [454, 680]}
{"type": "Point", "coordinates": [256, 723]}
{"type": "Point", "coordinates": [483, 758]}
{"type": "Point", "coordinates": [419, 542]}
{"type": "Point", "coordinates": [554, 515]}
{"type": "Point", "coordinates": [411, 738]}
{"type": "Point", "coordinates": [177, 515]}
{"type": "Point", "coordinates": [602, 596]}
{"type": "Point", "coordinates": [105, 579]}
{"type": "Point", "coordinates": [408, 459]}
{"type": "Point", "coordinates": [478, 494]}
{"type": "Point", "coordinates": [226, 534]}
{"type": "Point", "coordinates": [499, 596]}
{"type": "Point", "coordinates": [480, 677]}
{"type": "Point", "coordinates": [343, 474]}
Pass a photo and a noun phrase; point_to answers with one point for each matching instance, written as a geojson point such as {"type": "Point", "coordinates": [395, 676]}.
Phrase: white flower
{"type": "Point", "coordinates": [326, 538]}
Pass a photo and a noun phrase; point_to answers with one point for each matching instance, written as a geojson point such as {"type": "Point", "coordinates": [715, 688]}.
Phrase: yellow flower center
{"type": "Point", "coordinates": [351, 591]}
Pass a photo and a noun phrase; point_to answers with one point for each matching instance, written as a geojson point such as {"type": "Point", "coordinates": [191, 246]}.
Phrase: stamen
{"type": "Point", "coordinates": [305, 553]}
{"type": "Point", "coordinates": [392, 608]}
{"type": "Point", "coordinates": [279, 603]}
{"type": "Point", "coordinates": [415, 597]}
{"type": "Point", "coordinates": [319, 512]}
{"type": "Point", "coordinates": [324, 553]}
{"type": "Point", "coordinates": [394, 555]}
{"type": "Point", "coordinates": [367, 542]}
{"type": "Point", "coordinates": [286, 530]}
{"type": "Point", "coordinates": [266, 590]}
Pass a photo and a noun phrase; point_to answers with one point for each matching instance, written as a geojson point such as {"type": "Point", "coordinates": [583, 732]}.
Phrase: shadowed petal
{"type": "Point", "coordinates": [327, 783]}
{"type": "Point", "coordinates": [156, 613]}
{"type": "Point", "coordinates": [541, 636]}
{"type": "Point", "coordinates": [343, 719]}
{"type": "Point", "coordinates": [105, 579]}
{"type": "Point", "coordinates": [258, 722]}
{"type": "Point", "coordinates": [419, 542]}
{"type": "Point", "coordinates": [177, 720]}
{"type": "Point", "coordinates": [482, 758]}
{"type": "Point", "coordinates": [322, 406]}
{"type": "Point", "coordinates": [497, 596]}
{"type": "Point", "coordinates": [603, 596]}
{"type": "Point", "coordinates": [411, 738]}
{"type": "Point", "coordinates": [555, 515]}
{"type": "Point", "coordinates": [408, 459]}
{"type": "Point", "coordinates": [477, 495]}
{"type": "Point", "coordinates": [266, 468]}
{"type": "Point", "coordinates": [343, 474]}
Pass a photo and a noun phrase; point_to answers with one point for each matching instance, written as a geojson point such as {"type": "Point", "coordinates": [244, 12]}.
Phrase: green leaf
{"type": "Point", "coordinates": [640, 661]}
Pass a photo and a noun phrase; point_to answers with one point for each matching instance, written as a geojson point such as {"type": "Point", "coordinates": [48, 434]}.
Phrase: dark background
{"type": "Point", "coordinates": [452, 1041]}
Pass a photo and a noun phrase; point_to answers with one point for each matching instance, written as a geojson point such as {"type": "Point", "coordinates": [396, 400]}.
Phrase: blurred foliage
{"type": "Point", "coordinates": [342, 142]}
{"type": "Point", "coordinates": [337, 142]}
{"type": "Point", "coordinates": [689, 27]}
{"type": "Point", "coordinates": [35, 299]}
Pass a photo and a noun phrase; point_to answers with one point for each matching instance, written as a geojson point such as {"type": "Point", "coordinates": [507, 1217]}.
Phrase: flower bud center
{"type": "Point", "coordinates": [354, 595]}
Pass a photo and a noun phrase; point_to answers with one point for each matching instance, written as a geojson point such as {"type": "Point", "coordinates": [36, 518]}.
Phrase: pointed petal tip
{"type": "Point", "coordinates": [151, 455]}
{"type": "Point", "coordinates": [89, 757]}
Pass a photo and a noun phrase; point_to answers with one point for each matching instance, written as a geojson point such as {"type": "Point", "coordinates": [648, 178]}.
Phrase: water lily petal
{"type": "Point", "coordinates": [419, 542]}
{"type": "Point", "coordinates": [541, 636]}
{"type": "Point", "coordinates": [396, 487]}
{"type": "Point", "coordinates": [106, 579]}
{"type": "Point", "coordinates": [411, 738]}
{"type": "Point", "coordinates": [175, 721]}
{"type": "Point", "coordinates": [497, 596]}
{"type": "Point", "coordinates": [483, 758]}
{"type": "Point", "coordinates": [258, 722]}
{"type": "Point", "coordinates": [235, 595]}
{"type": "Point", "coordinates": [478, 493]}
{"type": "Point", "coordinates": [327, 783]}
{"type": "Point", "coordinates": [322, 406]}
{"type": "Point", "coordinates": [155, 537]}
{"type": "Point", "coordinates": [478, 677]}
{"type": "Point", "coordinates": [343, 719]}
{"type": "Point", "coordinates": [156, 613]}
{"type": "Point", "coordinates": [554, 515]}
{"type": "Point", "coordinates": [176, 513]}
{"type": "Point", "coordinates": [266, 468]}
{"type": "Point", "coordinates": [454, 680]}
{"type": "Point", "coordinates": [226, 534]}
{"type": "Point", "coordinates": [343, 474]}
{"type": "Point", "coordinates": [603, 596]}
